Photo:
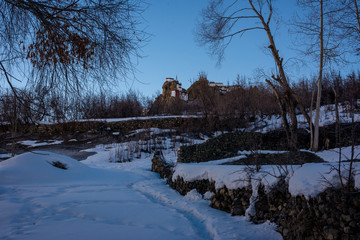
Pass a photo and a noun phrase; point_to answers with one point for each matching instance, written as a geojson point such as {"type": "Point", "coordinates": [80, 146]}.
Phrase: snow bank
{"type": "Point", "coordinates": [308, 180]}
{"type": "Point", "coordinates": [332, 155]}
{"type": "Point", "coordinates": [313, 178]}
{"type": "Point", "coordinates": [36, 168]}
{"type": "Point", "coordinates": [222, 175]}
{"type": "Point", "coordinates": [109, 120]}
{"type": "Point", "coordinates": [127, 202]}
{"type": "Point", "coordinates": [231, 176]}
{"type": "Point", "coordinates": [327, 117]}
{"type": "Point", "coordinates": [32, 143]}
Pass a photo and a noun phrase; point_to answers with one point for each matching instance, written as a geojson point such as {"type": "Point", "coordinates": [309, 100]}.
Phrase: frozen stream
{"type": "Point", "coordinates": [95, 199]}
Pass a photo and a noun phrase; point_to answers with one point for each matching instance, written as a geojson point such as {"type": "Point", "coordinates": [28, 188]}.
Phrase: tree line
{"type": "Point", "coordinates": [246, 100]}
{"type": "Point", "coordinates": [29, 107]}
{"type": "Point", "coordinates": [243, 101]}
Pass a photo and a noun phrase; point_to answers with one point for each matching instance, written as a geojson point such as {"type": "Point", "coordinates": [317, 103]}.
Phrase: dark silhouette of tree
{"type": "Point", "coordinates": [349, 23]}
{"type": "Point", "coordinates": [207, 97]}
{"type": "Point", "coordinates": [223, 21]}
{"type": "Point", "coordinates": [66, 44]}
{"type": "Point", "coordinates": [322, 41]}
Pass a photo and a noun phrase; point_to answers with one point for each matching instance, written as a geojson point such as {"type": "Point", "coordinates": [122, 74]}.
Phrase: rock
{"type": "Point", "coordinates": [346, 218]}
{"type": "Point", "coordinates": [330, 233]}
{"type": "Point", "coordinates": [342, 224]}
{"type": "Point", "coordinates": [273, 208]}
{"type": "Point", "coordinates": [330, 221]}
{"type": "Point", "coordinates": [217, 204]}
{"type": "Point", "coordinates": [352, 211]}
{"type": "Point", "coordinates": [237, 211]}
{"type": "Point", "coordinates": [352, 224]}
{"type": "Point", "coordinates": [292, 213]}
{"type": "Point", "coordinates": [222, 191]}
{"type": "Point", "coordinates": [285, 232]}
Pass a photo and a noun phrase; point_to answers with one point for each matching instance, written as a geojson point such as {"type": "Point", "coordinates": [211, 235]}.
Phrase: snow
{"type": "Point", "coordinates": [309, 179]}
{"type": "Point", "coordinates": [208, 195]}
{"type": "Point", "coordinates": [251, 211]}
{"type": "Point", "coordinates": [194, 195]}
{"type": "Point", "coordinates": [221, 161]}
{"type": "Point", "coordinates": [327, 117]}
{"type": "Point", "coordinates": [222, 175]}
{"type": "Point", "coordinates": [152, 131]}
{"type": "Point", "coordinates": [245, 152]}
{"type": "Point", "coordinates": [110, 120]}
{"type": "Point", "coordinates": [96, 199]}
{"type": "Point", "coordinates": [332, 155]}
{"type": "Point", "coordinates": [5, 155]}
{"type": "Point", "coordinates": [313, 178]}
{"type": "Point", "coordinates": [231, 176]}
{"type": "Point", "coordinates": [32, 143]}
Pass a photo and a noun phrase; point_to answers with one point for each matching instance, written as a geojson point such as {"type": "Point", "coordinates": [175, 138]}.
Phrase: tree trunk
{"type": "Point", "coordinates": [350, 182]}
{"type": "Point", "coordinates": [293, 127]}
{"type": "Point", "coordinates": [311, 109]}
{"type": "Point", "coordinates": [283, 112]}
{"type": "Point", "coordinates": [282, 79]}
{"type": "Point", "coordinates": [337, 136]}
{"type": "Point", "coordinates": [337, 118]}
{"type": "Point", "coordinates": [315, 146]}
{"type": "Point", "coordinates": [14, 127]}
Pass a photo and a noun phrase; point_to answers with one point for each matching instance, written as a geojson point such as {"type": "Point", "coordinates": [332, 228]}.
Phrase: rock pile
{"type": "Point", "coordinates": [333, 214]}
{"type": "Point", "coordinates": [234, 201]}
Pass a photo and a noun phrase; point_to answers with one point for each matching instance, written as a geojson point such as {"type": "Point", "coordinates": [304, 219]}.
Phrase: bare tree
{"type": "Point", "coordinates": [65, 44]}
{"type": "Point", "coordinates": [317, 26]}
{"type": "Point", "coordinates": [349, 23]}
{"type": "Point", "coordinates": [222, 22]}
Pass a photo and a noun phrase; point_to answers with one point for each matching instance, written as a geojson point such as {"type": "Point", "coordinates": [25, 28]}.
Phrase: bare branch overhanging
{"type": "Point", "coordinates": [70, 42]}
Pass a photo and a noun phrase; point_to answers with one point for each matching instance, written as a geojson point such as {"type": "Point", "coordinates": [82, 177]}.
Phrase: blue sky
{"type": "Point", "coordinates": [173, 52]}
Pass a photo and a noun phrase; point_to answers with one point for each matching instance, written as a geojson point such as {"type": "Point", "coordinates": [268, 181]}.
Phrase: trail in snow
{"type": "Point", "coordinates": [101, 200]}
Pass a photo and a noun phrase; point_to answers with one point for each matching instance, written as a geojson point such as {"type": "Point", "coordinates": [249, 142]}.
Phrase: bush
{"type": "Point", "coordinates": [59, 164]}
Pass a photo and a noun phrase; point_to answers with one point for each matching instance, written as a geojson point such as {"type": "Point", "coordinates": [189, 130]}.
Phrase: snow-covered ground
{"type": "Point", "coordinates": [32, 143]}
{"type": "Point", "coordinates": [309, 179]}
{"type": "Point", "coordinates": [97, 199]}
{"type": "Point", "coordinates": [327, 117]}
{"type": "Point", "coordinates": [109, 120]}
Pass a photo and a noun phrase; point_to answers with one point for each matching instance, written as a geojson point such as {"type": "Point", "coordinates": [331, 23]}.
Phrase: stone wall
{"type": "Point", "coordinates": [228, 144]}
{"type": "Point", "coordinates": [333, 214]}
{"type": "Point", "coordinates": [102, 127]}
{"type": "Point", "coordinates": [232, 201]}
